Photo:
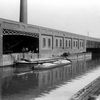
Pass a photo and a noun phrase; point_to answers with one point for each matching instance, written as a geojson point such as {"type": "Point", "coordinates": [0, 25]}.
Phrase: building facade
{"type": "Point", "coordinates": [44, 42]}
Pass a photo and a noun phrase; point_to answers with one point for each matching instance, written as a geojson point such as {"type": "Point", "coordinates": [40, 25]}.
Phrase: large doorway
{"type": "Point", "coordinates": [19, 44]}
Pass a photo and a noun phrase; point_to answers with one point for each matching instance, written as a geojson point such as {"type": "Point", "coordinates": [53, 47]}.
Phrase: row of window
{"type": "Point", "coordinates": [47, 42]}
{"type": "Point", "coordinates": [68, 43]}
{"type": "Point", "coordinates": [59, 42]}
{"type": "Point", "coordinates": [44, 42]}
{"type": "Point", "coordinates": [78, 44]}
{"type": "Point", "coordinates": [82, 43]}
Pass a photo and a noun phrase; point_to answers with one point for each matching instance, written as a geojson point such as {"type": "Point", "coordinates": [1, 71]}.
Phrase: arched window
{"type": "Point", "coordinates": [44, 42]}
{"type": "Point", "coordinates": [49, 42]}
{"type": "Point", "coordinates": [83, 44]}
{"type": "Point", "coordinates": [80, 44]}
{"type": "Point", "coordinates": [66, 43]}
{"type": "Point", "coordinates": [56, 42]}
{"type": "Point", "coordinates": [69, 43]}
{"type": "Point", "coordinates": [74, 43]}
{"type": "Point", "coordinates": [60, 43]}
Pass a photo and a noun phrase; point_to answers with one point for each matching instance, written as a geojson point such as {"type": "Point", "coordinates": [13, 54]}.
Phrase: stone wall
{"type": "Point", "coordinates": [88, 91]}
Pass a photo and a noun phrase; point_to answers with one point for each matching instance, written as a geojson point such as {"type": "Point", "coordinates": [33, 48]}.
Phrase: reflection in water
{"type": "Point", "coordinates": [33, 84]}
{"type": "Point", "coordinates": [0, 88]}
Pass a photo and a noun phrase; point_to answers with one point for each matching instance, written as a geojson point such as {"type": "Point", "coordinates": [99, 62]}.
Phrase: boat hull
{"type": "Point", "coordinates": [50, 67]}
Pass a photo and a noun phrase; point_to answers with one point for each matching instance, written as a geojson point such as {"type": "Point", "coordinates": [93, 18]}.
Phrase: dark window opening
{"type": "Point", "coordinates": [56, 42]}
{"type": "Point", "coordinates": [49, 43]}
{"type": "Point", "coordinates": [69, 43]}
{"type": "Point", "coordinates": [74, 43]}
{"type": "Point", "coordinates": [66, 43]}
{"type": "Point", "coordinates": [44, 42]}
{"type": "Point", "coordinates": [80, 44]}
{"type": "Point", "coordinates": [60, 43]}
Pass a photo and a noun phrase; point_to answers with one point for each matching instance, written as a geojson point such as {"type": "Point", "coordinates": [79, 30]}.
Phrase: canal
{"type": "Point", "coordinates": [61, 83]}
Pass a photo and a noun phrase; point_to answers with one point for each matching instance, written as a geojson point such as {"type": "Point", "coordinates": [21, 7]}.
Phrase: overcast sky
{"type": "Point", "coordinates": [78, 16]}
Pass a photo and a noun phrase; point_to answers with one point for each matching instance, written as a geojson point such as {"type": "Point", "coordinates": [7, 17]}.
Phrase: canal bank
{"type": "Point", "coordinates": [89, 92]}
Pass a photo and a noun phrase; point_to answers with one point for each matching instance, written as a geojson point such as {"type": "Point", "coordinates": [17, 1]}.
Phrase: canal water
{"type": "Point", "coordinates": [61, 83]}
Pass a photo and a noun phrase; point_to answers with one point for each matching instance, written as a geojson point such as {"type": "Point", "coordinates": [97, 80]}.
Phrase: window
{"type": "Point", "coordinates": [49, 42]}
{"type": "Point", "coordinates": [74, 43]}
{"type": "Point", "coordinates": [80, 44]}
{"type": "Point", "coordinates": [69, 43]}
{"type": "Point", "coordinates": [44, 42]}
{"type": "Point", "coordinates": [60, 43]}
{"type": "Point", "coordinates": [66, 43]}
{"type": "Point", "coordinates": [56, 42]}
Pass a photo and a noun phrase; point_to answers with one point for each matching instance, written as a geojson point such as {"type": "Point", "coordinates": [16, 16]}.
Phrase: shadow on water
{"type": "Point", "coordinates": [18, 84]}
{"type": "Point", "coordinates": [96, 56]}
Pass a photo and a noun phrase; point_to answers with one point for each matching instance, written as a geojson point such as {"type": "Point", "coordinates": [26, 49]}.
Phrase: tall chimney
{"type": "Point", "coordinates": [23, 11]}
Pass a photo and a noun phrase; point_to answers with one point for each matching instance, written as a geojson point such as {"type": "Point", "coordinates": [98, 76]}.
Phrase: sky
{"type": "Point", "coordinates": [76, 16]}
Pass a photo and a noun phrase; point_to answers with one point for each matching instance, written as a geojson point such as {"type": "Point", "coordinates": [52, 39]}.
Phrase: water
{"type": "Point", "coordinates": [53, 84]}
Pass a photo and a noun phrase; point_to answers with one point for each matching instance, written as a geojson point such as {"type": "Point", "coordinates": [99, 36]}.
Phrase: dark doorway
{"type": "Point", "coordinates": [20, 43]}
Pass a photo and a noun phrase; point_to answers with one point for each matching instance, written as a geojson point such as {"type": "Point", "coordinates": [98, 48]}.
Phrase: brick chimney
{"type": "Point", "coordinates": [23, 11]}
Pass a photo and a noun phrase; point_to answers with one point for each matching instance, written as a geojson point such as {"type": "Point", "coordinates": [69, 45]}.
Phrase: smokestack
{"type": "Point", "coordinates": [23, 11]}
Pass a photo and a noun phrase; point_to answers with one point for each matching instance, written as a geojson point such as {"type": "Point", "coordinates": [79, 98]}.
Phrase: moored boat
{"type": "Point", "coordinates": [39, 61]}
{"type": "Point", "coordinates": [51, 65]}
{"type": "Point", "coordinates": [25, 62]}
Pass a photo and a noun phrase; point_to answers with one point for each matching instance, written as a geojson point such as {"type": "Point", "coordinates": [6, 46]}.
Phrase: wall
{"type": "Point", "coordinates": [7, 60]}
{"type": "Point", "coordinates": [53, 34]}
{"type": "Point", "coordinates": [61, 42]}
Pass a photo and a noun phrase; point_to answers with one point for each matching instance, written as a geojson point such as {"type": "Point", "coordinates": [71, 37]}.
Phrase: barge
{"type": "Point", "coordinates": [45, 66]}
